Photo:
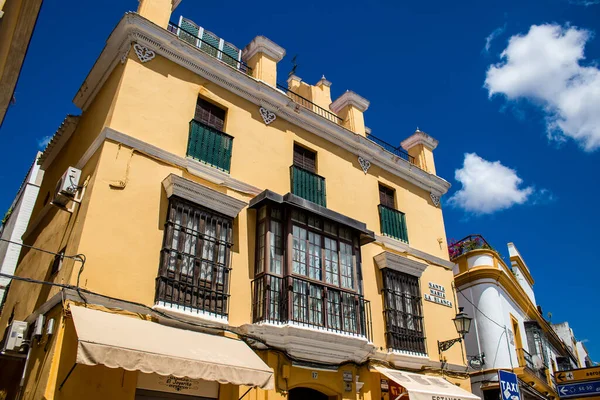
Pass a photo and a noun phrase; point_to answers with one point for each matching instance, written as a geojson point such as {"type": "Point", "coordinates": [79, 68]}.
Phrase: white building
{"type": "Point", "coordinates": [15, 223]}
{"type": "Point", "coordinates": [508, 326]}
{"type": "Point", "coordinates": [565, 332]}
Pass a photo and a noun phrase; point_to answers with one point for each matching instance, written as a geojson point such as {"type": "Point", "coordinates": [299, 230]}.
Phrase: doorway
{"type": "Point", "coordinates": [306, 394]}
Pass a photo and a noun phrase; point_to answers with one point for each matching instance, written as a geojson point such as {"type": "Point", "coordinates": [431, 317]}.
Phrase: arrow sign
{"type": "Point", "coordinates": [579, 389]}
{"type": "Point", "coordinates": [581, 374]}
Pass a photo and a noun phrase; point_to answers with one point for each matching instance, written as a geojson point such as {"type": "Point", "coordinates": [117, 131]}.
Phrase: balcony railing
{"type": "Point", "coordinates": [466, 244]}
{"type": "Point", "coordinates": [228, 53]}
{"type": "Point", "coordinates": [393, 223]}
{"type": "Point", "coordinates": [302, 302]}
{"type": "Point", "coordinates": [304, 102]}
{"type": "Point", "coordinates": [209, 145]}
{"type": "Point", "coordinates": [398, 151]}
{"type": "Point", "coordinates": [308, 185]}
{"type": "Point", "coordinates": [189, 292]}
{"type": "Point", "coordinates": [526, 360]}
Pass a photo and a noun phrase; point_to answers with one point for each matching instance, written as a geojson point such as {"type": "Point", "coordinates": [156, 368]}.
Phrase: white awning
{"type": "Point", "coordinates": [118, 341]}
{"type": "Point", "coordinates": [426, 387]}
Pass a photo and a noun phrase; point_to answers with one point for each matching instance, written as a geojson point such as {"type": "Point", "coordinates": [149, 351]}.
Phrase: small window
{"type": "Point", "coordinates": [403, 312]}
{"type": "Point", "coordinates": [194, 269]}
{"type": "Point", "coordinates": [386, 196]}
{"type": "Point", "coordinates": [305, 159]}
{"type": "Point", "coordinates": [209, 114]}
{"type": "Point", "coordinates": [58, 261]}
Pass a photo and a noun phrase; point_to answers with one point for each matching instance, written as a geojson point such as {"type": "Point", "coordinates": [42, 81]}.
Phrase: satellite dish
{"type": "Point", "coordinates": [537, 361]}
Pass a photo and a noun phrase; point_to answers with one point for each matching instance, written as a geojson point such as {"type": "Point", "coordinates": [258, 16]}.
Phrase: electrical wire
{"type": "Point", "coordinates": [81, 258]}
{"type": "Point", "coordinates": [481, 312]}
{"type": "Point", "coordinates": [75, 257]}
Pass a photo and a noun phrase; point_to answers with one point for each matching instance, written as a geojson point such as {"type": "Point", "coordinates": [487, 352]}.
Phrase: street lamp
{"type": "Point", "coordinates": [462, 322]}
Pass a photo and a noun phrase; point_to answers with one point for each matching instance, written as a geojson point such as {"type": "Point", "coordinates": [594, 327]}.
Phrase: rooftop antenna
{"type": "Point", "coordinates": [294, 66]}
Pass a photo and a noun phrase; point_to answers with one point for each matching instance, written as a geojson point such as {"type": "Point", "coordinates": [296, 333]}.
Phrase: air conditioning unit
{"type": "Point", "coordinates": [15, 336]}
{"type": "Point", "coordinates": [66, 187]}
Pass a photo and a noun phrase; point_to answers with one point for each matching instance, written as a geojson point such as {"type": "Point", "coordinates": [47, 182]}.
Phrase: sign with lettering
{"type": "Point", "coordinates": [578, 389]}
{"type": "Point", "coordinates": [384, 385]}
{"type": "Point", "coordinates": [347, 376]}
{"type": "Point", "coordinates": [582, 374]}
{"type": "Point", "coordinates": [509, 385]}
{"type": "Point", "coordinates": [173, 384]}
{"type": "Point", "coordinates": [437, 294]}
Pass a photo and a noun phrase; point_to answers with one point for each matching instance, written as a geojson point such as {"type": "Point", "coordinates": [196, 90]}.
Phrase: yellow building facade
{"type": "Point", "coordinates": [208, 200]}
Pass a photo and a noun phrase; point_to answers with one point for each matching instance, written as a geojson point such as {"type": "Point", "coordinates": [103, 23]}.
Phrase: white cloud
{"type": "Point", "coordinates": [544, 67]}
{"type": "Point", "coordinates": [584, 2]}
{"type": "Point", "coordinates": [43, 142]}
{"type": "Point", "coordinates": [497, 32]}
{"type": "Point", "coordinates": [487, 186]}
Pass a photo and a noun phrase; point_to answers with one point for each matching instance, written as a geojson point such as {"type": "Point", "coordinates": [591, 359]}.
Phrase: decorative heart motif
{"type": "Point", "coordinates": [143, 53]}
{"type": "Point", "coordinates": [435, 199]}
{"type": "Point", "coordinates": [267, 116]}
{"type": "Point", "coordinates": [364, 164]}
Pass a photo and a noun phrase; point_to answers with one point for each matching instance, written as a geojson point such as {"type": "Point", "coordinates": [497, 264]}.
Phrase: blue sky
{"type": "Point", "coordinates": [532, 174]}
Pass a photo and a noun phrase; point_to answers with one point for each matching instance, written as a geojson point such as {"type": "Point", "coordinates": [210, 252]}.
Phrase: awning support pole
{"type": "Point", "coordinates": [244, 395]}
{"type": "Point", "coordinates": [67, 377]}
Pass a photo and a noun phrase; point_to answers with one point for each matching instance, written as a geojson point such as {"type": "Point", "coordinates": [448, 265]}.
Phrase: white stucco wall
{"type": "Point", "coordinates": [17, 223]}
{"type": "Point", "coordinates": [513, 252]}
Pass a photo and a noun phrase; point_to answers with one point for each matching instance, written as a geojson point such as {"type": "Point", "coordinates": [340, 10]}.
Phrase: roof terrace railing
{"type": "Point", "coordinates": [398, 151]}
{"type": "Point", "coordinates": [466, 244]}
{"type": "Point", "coordinates": [223, 51]}
{"type": "Point", "coordinates": [304, 102]}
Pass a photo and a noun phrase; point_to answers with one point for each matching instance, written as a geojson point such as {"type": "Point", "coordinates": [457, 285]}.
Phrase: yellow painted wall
{"type": "Point", "coordinates": [121, 230]}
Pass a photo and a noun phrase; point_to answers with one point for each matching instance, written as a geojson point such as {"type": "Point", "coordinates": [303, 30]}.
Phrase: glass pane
{"type": "Point", "coordinates": [314, 259]}
{"type": "Point", "coordinates": [276, 248]}
{"type": "Point", "coordinates": [299, 250]}
{"type": "Point", "coordinates": [331, 262]}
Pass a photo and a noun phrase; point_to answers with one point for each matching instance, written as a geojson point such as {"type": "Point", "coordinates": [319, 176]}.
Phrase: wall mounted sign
{"type": "Point", "coordinates": [364, 164]}
{"type": "Point", "coordinates": [172, 384]}
{"type": "Point", "coordinates": [347, 376]}
{"type": "Point", "coordinates": [437, 294]}
{"type": "Point", "coordinates": [143, 53]}
{"type": "Point", "coordinates": [384, 385]}
{"type": "Point", "coordinates": [267, 116]}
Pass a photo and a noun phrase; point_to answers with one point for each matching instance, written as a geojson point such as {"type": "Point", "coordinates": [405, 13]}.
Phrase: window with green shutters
{"type": "Point", "coordinates": [393, 222]}
{"type": "Point", "coordinates": [304, 181]}
{"type": "Point", "coordinates": [206, 142]}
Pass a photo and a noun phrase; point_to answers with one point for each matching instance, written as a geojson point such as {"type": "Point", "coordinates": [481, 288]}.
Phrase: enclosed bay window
{"type": "Point", "coordinates": [308, 270]}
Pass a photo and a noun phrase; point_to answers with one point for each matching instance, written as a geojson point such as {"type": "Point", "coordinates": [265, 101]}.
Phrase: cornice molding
{"type": "Point", "coordinates": [202, 195]}
{"type": "Point", "coordinates": [313, 344]}
{"type": "Point", "coordinates": [349, 98]}
{"type": "Point", "coordinates": [399, 263]}
{"type": "Point", "coordinates": [59, 139]}
{"type": "Point", "coordinates": [402, 247]}
{"type": "Point", "coordinates": [524, 269]}
{"type": "Point", "coordinates": [419, 138]}
{"type": "Point", "coordinates": [262, 44]}
{"type": "Point", "coordinates": [134, 28]}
